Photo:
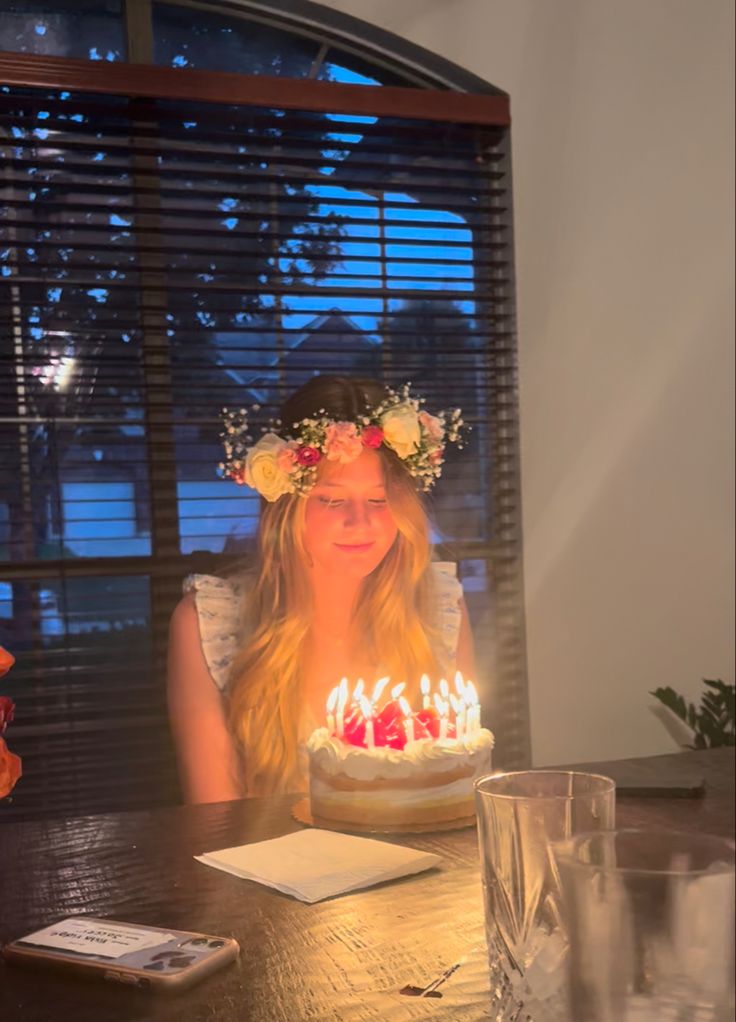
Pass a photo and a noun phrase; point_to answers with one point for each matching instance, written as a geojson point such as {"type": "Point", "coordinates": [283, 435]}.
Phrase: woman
{"type": "Point", "coordinates": [343, 585]}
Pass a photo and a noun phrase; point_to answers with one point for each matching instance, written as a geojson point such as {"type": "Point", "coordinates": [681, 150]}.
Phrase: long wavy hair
{"type": "Point", "coordinates": [392, 629]}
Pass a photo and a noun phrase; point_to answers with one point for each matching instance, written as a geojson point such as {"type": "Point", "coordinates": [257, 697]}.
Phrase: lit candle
{"type": "Point", "coordinates": [459, 708]}
{"type": "Point", "coordinates": [441, 707]}
{"type": "Point", "coordinates": [408, 722]}
{"type": "Point", "coordinates": [444, 689]}
{"type": "Point", "coordinates": [358, 691]}
{"type": "Point", "coordinates": [331, 703]}
{"type": "Point", "coordinates": [471, 699]}
{"type": "Point", "coordinates": [378, 689]}
{"type": "Point", "coordinates": [425, 692]}
{"type": "Point", "coordinates": [342, 699]}
{"type": "Point", "coordinates": [397, 690]}
{"type": "Point", "coordinates": [367, 711]}
{"type": "Point", "coordinates": [459, 684]}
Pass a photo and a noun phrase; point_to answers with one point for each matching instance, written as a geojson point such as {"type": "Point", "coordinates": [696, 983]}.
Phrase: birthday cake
{"type": "Point", "coordinates": [396, 768]}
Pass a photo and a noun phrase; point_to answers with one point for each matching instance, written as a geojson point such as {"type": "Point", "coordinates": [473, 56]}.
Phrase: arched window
{"type": "Point", "coordinates": [169, 250]}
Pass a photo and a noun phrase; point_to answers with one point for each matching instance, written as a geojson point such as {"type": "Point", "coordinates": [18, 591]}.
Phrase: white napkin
{"type": "Point", "coordinates": [314, 864]}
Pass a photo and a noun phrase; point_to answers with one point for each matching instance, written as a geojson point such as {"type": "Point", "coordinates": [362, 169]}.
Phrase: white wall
{"type": "Point", "coordinates": [623, 167]}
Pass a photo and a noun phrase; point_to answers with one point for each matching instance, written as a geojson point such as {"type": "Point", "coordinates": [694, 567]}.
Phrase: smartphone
{"type": "Point", "coordinates": [147, 957]}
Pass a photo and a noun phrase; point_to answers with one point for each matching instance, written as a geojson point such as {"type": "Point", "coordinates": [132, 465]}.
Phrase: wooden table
{"type": "Point", "coordinates": [342, 960]}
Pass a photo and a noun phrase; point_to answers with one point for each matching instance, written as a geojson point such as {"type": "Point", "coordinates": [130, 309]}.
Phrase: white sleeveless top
{"type": "Point", "coordinates": [218, 602]}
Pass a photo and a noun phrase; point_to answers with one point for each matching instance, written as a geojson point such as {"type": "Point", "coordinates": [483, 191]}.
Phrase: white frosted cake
{"type": "Point", "coordinates": [428, 781]}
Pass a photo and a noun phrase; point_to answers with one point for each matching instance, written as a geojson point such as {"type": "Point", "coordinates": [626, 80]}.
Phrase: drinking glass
{"type": "Point", "coordinates": [650, 922]}
{"type": "Point", "coordinates": [519, 815]}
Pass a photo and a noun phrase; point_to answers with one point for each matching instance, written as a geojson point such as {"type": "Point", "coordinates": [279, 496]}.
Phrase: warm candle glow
{"type": "Point", "coordinates": [424, 685]}
{"type": "Point", "coordinates": [367, 710]}
{"type": "Point", "coordinates": [364, 722]}
{"type": "Point", "coordinates": [331, 704]}
{"type": "Point", "coordinates": [458, 706]}
{"type": "Point", "coordinates": [341, 701]}
{"type": "Point", "coordinates": [378, 688]}
{"type": "Point", "coordinates": [408, 721]}
{"type": "Point", "coordinates": [442, 709]}
{"type": "Point", "coordinates": [471, 701]}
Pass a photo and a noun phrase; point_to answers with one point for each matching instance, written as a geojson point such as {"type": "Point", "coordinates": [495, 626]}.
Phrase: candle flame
{"type": "Point", "coordinates": [397, 690]}
{"type": "Point", "coordinates": [332, 699]}
{"type": "Point", "coordinates": [425, 685]}
{"type": "Point", "coordinates": [459, 683]}
{"type": "Point", "coordinates": [456, 703]}
{"type": "Point", "coordinates": [440, 705]}
{"type": "Point", "coordinates": [358, 691]}
{"type": "Point", "coordinates": [365, 707]}
{"type": "Point", "coordinates": [444, 688]}
{"type": "Point", "coordinates": [343, 695]}
{"type": "Point", "coordinates": [379, 687]}
{"type": "Point", "coordinates": [471, 694]}
{"type": "Point", "coordinates": [405, 708]}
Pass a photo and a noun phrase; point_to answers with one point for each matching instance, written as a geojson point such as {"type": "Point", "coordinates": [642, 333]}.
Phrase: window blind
{"type": "Point", "coordinates": [173, 242]}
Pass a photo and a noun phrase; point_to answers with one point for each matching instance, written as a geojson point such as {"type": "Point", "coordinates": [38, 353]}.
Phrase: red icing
{"type": "Point", "coordinates": [389, 726]}
{"type": "Point", "coordinates": [354, 727]}
{"type": "Point", "coordinates": [390, 714]}
{"type": "Point", "coordinates": [430, 720]}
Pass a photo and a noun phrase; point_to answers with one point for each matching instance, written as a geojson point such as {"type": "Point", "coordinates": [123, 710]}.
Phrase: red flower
{"type": "Point", "coordinates": [10, 769]}
{"type": "Point", "coordinates": [6, 661]}
{"type": "Point", "coordinates": [372, 436]}
{"type": "Point", "coordinates": [7, 712]}
{"type": "Point", "coordinates": [307, 456]}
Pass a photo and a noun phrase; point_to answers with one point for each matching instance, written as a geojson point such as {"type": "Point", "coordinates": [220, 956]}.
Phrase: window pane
{"type": "Point", "coordinates": [186, 38]}
{"type": "Point", "coordinates": [339, 66]}
{"type": "Point", "coordinates": [70, 290]}
{"type": "Point", "coordinates": [90, 29]}
{"type": "Point", "coordinates": [88, 726]}
{"type": "Point", "coordinates": [216, 515]}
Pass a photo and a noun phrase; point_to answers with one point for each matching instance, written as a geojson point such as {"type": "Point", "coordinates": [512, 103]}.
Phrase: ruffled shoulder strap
{"type": "Point", "coordinates": [448, 592]}
{"type": "Point", "coordinates": [218, 602]}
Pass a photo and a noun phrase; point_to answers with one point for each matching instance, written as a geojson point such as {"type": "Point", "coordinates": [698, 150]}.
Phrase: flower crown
{"type": "Point", "coordinates": [278, 464]}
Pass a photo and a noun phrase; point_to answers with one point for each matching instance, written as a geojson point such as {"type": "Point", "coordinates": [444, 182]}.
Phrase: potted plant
{"type": "Point", "coordinates": [704, 727]}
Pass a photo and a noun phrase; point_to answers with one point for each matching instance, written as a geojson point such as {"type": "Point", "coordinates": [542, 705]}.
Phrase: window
{"type": "Point", "coordinates": [162, 257]}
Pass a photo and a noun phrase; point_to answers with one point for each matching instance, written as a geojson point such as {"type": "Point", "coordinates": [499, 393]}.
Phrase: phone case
{"type": "Point", "coordinates": [174, 964]}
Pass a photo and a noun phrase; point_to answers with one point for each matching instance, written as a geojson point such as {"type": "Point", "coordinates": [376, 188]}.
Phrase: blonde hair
{"type": "Point", "coordinates": [392, 628]}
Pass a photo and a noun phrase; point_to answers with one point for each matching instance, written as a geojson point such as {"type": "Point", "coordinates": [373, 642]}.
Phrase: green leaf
{"type": "Point", "coordinates": [671, 699]}
{"type": "Point", "coordinates": [714, 721]}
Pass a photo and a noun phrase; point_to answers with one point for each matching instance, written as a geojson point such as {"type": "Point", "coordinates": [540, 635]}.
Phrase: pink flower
{"type": "Point", "coordinates": [372, 436]}
{"type": "Point", "coordinates": [307, 456]}
{"type": "Point", "coordinates": [286, 459]}
{"type": "Point", "coordinates": [342, 442]}
{"type": "Point", "coordinates": [433, 427]}
{"type": "Point", "coordinates": [435, 457]}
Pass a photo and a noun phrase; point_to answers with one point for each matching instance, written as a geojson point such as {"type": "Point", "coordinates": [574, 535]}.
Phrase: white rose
{"type": "Point", "coordinates": [401, 429]}
{"type": "Point", "coordinates": [262, 470]}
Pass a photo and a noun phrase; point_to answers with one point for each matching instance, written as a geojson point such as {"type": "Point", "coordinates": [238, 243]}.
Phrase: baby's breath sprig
{"type": "Point", "coordinates": [236, 440]}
